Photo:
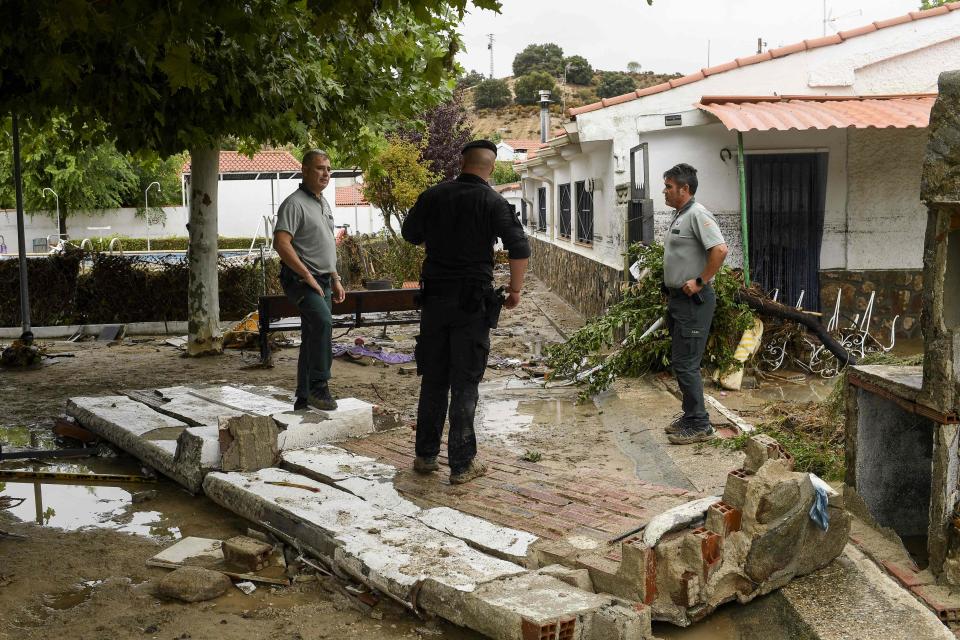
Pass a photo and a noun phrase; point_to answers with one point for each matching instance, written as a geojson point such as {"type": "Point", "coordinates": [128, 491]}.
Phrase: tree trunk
{"type": "Point", "coordinates": [203, 303]}
{"type": "Point", "coordinates": [777, 310]}
{"type": "Point", "coordinates": [64, 211]}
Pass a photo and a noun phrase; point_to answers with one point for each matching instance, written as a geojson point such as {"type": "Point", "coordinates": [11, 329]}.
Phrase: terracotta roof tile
{"type": "Point", "coordinates": [796, 47]}
{"type": "Point", "coordinates": [500, 188]}
{"type": "Point", "coordinates": [769, 55]}
{"type": "Point", "coordinates": [350, 195]}
{"type": "Point", "coordinates": [892, 22]}
{"type": "Point", "coordinates": [627, 97]}
{"type": "Point", "coordinates": [754, 59]}
{"type": "Point", "coordinates": [816, 43]}
{"type": "Point", "coordinates": [262, 162]}
{"type": "Point", "coordinates": [927, 13]}
{"type": "Point", "coordinates": [720, 68]}
{"type": "Point", "coordinates": [657, 88]}
{"type": "Point", "coordinates": [518, 144]}
{"type": "Point", "coordinates": [783, 113]}
{"type": "Point", "coordinates": [859, 31]}
{"type": "Point", "coordinates": [687, 79]}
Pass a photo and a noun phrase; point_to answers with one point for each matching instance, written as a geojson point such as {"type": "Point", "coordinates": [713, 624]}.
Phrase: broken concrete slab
{"type": "Point", "coordinates": [247, 443]}
{"type": "Point", "coordinates": [197, 454]}
{"type": "Point", "coordinates": [128, 425]}
{"type": "Point", "coordinates": [373, 481]}
{"type": "Point", "coordinates": [353, 418]}
{"type": "Point", "coordinates": [245, 552]}
{"type": "Point", "coordinates": [379, 547]}
{"type": "Point", "coordinates": [534, 605]}
{"type": "Point", "coordinates": [240, 400]}
{"type": "Point", "coordinates": [178, 403]}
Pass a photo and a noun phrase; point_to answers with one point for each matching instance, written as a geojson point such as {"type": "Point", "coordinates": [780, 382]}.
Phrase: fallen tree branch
{"type": "Point", "coordinates": [777, 310]}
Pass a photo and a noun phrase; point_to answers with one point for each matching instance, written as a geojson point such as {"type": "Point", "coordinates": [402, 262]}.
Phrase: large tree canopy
{"type": "Point", "coordinates": [167, 76]}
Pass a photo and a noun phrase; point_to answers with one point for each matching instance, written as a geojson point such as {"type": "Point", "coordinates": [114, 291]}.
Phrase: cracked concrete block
{"type": "Point", "coordinates": [579, 578]}
{"type": "Point", "coordinates": [240, 399]}
{"type": "Point", "coordinates": [723, 519]}
{"type": "Point", "coordinates": [197, 454]}
{"type": "Point", "coordinates": [759, 449]}
{"type": "Point", "coordinates": [606, 577]}
{"type": "Point", "coordinates": [735, 490]}
{"type": "Point", "coordinates": [522, 607]}
{"type": "Point", "coordinates": [638, 564]}
{"type": "Point", "coordinates": [247, 442]}
{"type": "Point", "coordinates": [246, 552]}
{"type": "Point", "coordinates": [621, 621]}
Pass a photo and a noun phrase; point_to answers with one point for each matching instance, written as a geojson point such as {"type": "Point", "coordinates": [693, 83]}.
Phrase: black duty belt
{"type": "Point", "coordinates": [453, 288]}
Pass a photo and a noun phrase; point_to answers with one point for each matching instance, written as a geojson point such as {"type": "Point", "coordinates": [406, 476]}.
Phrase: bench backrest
{"type": "Point", "coordinates": [356, 302]}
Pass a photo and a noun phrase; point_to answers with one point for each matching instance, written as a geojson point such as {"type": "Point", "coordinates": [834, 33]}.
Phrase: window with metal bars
{"type": "Point", "coordinates": [523, 212]}
{"type": "Point", "coordinates": [584, 213]}
{"type": "Point", "coordinates": [542, 209]}
{"type": "Point", "coordinates": [563, 221]}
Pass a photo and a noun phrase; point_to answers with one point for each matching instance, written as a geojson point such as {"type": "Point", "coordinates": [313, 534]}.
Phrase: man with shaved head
{"type": "Point", "coordinates": [459, 222]}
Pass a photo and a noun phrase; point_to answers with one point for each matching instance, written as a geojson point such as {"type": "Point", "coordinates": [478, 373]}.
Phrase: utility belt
{"type": "Point", "coordinates": [287, 273]}
{"type": "Point", "coordinates": [472, 296]}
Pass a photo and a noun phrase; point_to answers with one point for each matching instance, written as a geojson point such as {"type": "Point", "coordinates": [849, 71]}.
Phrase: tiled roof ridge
{"type": "Point", "coordinates": [228, 157]}
{"type": "Point", "coordinates": [770, 54]}
{"type": "Point", "coordinates": [811, 98]}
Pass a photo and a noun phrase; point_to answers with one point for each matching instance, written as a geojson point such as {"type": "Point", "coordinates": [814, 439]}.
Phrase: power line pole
{"type": "Point", "coordinates": [490, 47]}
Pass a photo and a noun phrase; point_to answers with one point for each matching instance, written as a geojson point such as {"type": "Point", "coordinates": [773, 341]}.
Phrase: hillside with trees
{"type": "Point", "coordinates": [507, 107]}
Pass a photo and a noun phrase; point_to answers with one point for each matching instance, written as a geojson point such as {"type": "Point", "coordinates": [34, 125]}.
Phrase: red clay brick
{"type": "Point", "coordinates": [907, 576]}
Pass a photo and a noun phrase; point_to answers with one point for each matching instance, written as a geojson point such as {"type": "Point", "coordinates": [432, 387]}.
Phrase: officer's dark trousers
{"type": "Point", "coordinates": [451, 353]}
{"type": "Point", "coordinates": [689, 327]}
{"type": "Point", "coordinates": [316, 329]}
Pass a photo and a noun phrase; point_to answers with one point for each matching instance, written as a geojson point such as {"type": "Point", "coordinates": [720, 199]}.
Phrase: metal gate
{"type": "Point", "coordinates": [786, 195]}
{"type": "Point", "coordinates": [640, 208]}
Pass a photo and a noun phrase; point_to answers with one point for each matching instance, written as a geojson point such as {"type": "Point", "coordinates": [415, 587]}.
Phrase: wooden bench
{"type": "Point", "coordinates": [277, 313]}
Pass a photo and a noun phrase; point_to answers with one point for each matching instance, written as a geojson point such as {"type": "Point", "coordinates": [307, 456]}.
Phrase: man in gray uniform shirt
{"type": "Point", "coordinates": [304, 239]}
{"type": "Point", "coordinates": [693, 252]}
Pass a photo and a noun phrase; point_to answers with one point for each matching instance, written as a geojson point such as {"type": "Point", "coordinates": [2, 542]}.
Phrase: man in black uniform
{"type": "Point", "coordinates": [459, 222]}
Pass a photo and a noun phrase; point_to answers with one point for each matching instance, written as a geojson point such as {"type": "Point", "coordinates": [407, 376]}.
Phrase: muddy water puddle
{"type": "Point", "coordinates": [71, 506]}
{"type": "Point", "coordinates": [506, 421]}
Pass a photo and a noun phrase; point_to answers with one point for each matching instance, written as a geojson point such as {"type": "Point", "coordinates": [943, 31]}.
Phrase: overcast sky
{"type": "Point", "coordinates": [670, 36]}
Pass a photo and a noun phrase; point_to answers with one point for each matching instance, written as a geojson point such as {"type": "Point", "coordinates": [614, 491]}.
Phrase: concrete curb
{"type": "Point", "coordinates": [174, 327]}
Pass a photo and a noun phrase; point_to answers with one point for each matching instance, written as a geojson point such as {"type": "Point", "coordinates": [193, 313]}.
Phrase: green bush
{"type": "Point", "coordinates": [491, 94]}
{"type": "Point", "coordinates": [170, 243]}
{"type": "Point", "coordinates": [615, 84]}
{"type": "Point", "coordinates": [578, 70]}
{"type": "Point", "coordinates": [527, 88]}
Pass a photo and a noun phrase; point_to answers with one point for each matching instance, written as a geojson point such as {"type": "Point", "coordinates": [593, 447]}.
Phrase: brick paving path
{"type": "Point", "coordinates": [531, 497]}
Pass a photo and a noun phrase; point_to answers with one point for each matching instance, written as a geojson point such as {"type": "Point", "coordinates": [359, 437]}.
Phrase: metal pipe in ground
{"type": "Point", "coordinates": [27, 336]}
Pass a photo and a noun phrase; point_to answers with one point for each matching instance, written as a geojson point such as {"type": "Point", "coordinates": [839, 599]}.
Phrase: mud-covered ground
{"type": "Point", "coordinates": [83, 575]}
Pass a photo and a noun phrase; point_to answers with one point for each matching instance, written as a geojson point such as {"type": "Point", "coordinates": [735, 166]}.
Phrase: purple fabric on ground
{"type": "Point", "coordinates": [356, 350]}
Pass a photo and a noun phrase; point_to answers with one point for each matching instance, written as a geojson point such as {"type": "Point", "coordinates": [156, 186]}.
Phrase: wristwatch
{"type": "Point", "coordinates": [699, 281]}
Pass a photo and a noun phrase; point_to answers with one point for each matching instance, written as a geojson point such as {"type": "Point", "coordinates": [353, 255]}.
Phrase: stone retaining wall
{"type": "Point", "coordinates": [588, 285]}
{"type": "Point", "coordinates": [899, 292]}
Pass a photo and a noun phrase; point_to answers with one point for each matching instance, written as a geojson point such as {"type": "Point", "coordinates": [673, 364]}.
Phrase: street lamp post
{"type": "Point", "coordinates": [57, 200]}
{"type": "Point", "coordinates": [146, 208]}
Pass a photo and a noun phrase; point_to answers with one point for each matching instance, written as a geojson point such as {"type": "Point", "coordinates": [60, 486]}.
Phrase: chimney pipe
{"type": "Point", "coordinates": [544, 114]}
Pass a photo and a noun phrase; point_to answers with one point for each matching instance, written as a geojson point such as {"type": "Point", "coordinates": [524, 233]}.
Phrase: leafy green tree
{"type": "Point", "coordinates": [172, 76]}
{"type": "Point", "coordinates": [504, 173]}
{"type": "Point", "coordinates": [527, 87]}
{"type": "Point", "coordinates": [633, 67]}
{"type": "Point", "coordinates": [578, 70]}
{"type": "Point", "coordinates": [492, 94]}
{"type": "Point", "coordinates": [932, 4]}
{"type": "Point", "coordinates": [539, 57]}
{"type": "Point", "coordinates": [471, 79]}
{"type": "Point", "coordinates": [615, 84]}
{"type": "Point", "coordinates": [394, 179]}
{"type": "Point", "coordinates": [440, 135]}
{"type": "Point", "coordinates": [85, 175]}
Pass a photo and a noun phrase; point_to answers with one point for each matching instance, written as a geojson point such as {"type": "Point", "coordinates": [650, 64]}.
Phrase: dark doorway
{"type": "Point", "coordinates": [786, 195]}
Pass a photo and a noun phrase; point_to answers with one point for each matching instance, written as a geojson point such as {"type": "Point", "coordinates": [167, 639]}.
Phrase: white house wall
{"type": "Point", "coordinates": [241, 204]}
{"type": "Point", "coordinates": [886, 218]}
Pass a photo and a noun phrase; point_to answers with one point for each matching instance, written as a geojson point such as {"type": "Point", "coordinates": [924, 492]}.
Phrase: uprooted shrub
{"type": "Point", "coordinates": [642, 303]}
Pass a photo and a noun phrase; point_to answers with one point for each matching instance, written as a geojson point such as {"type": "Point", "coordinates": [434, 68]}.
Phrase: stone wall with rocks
{"type": "Point", "coordinates": [588, 285]}
{"type": "Point", "coordinates": [899, 293]}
